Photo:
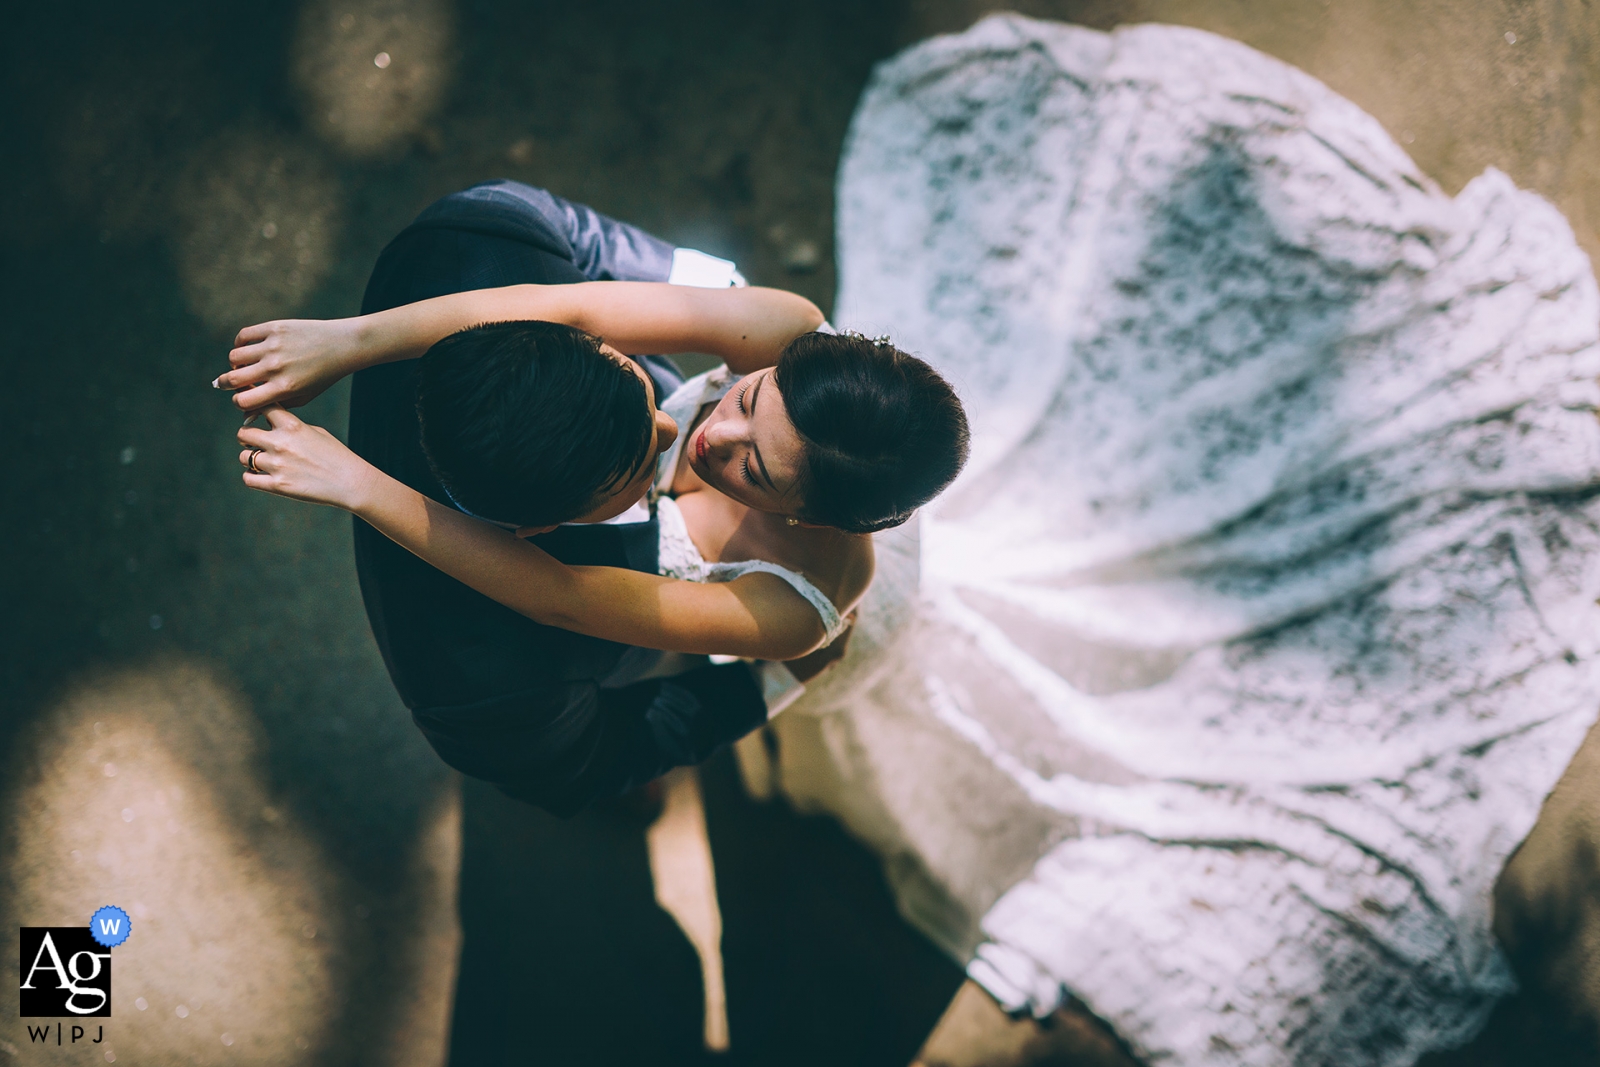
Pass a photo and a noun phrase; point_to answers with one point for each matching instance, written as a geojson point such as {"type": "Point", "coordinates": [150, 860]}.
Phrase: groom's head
{"type": "Point", "coordinates": [535, 423]}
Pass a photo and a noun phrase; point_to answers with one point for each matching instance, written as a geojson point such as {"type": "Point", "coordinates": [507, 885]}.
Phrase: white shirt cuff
{"type": "Point", "coordinates": [692, 267]}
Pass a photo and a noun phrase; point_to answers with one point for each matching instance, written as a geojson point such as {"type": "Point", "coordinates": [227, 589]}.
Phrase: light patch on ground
{"type": "Point", "coordinates": [430, 951]}
{"type": "Point", "coordinates": [686, 887]}
{"type": "Point", "coordinates": [144, 790]}
{"type": "Point", "coordinates": [369, 73]}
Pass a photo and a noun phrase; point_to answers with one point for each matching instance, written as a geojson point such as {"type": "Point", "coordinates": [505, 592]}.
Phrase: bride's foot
{"type": "Point", "coordinates": [975, 1032]}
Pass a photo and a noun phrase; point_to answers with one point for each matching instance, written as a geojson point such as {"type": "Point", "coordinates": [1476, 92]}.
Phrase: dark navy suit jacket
{"type": "Point", "coordinates": [499, 696]}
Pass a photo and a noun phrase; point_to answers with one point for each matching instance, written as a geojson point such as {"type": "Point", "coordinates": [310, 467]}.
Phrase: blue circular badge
{"type": "Point", "coordinates": [110, 926]}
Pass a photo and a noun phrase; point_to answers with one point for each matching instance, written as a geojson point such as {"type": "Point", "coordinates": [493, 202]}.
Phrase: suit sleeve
{"type": "Point", "coordinates": [600, 247]}
{"type": "Point", "coordinates": [607, 250]}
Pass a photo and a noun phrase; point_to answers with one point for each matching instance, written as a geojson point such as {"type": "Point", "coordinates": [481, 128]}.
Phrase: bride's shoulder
{"type": "Point", "coordinates": [850, 564]}
{"type": "Point", "coordinates": [861, 563]}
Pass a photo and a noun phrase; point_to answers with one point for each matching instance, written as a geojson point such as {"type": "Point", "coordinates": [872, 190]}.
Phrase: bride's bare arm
{"type": "Point", "coordinates": [747, 328]}
{"type": "Point", "coordinates": [758, 615]}
{"type": "Point", "coordinates": [289, 361]}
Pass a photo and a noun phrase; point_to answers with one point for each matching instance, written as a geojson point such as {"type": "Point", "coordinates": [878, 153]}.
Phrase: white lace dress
{"type": "Point", "coordinates": [1219, 689]}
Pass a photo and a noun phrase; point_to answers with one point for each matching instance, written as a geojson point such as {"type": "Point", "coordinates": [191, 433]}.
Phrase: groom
{"type": "Point", "coordinates": [550, 717]}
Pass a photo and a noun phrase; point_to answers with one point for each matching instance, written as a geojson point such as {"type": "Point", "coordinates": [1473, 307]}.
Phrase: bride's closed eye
{"type": "Point", "coordinates": [744, 464]}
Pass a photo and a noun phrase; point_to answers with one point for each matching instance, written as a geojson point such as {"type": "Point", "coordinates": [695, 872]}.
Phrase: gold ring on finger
{"type": "Point", "coordinates": [254, 452]}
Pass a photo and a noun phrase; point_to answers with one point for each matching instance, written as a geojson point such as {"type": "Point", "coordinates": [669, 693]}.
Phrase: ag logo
{"type": "Point", "coordinates": [66, 970]}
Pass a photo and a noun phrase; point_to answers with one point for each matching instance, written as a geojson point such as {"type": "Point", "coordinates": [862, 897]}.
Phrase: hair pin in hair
{"type": "Point", "coordinates": [880, 341]}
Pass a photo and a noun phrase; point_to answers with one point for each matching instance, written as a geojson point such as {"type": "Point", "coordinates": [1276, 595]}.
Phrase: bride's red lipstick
{"type": "Point", "coordinates": [700, 445]}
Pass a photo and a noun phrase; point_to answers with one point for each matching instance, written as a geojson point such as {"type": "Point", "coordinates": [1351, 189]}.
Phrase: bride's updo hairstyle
{"type": "Point", "coordinates": [882, 432]}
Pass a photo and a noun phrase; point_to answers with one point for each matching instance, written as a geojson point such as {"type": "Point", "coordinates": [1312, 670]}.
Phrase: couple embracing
{"type": "Point", "coordinates": [581, 569]}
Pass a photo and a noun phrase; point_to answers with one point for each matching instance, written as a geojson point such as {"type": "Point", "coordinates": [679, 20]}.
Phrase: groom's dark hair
{"type": "Point", "coordinates": [530, 422]}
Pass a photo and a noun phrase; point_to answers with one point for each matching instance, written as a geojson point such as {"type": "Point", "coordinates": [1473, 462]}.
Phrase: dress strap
{"type": "Point", "coordinates": [679, 558]}
{"type": "Point", "coordinates": [832, 622]}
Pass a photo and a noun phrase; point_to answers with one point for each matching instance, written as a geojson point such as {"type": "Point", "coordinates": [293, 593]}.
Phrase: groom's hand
{"type": "Point", "coordinates": [290, 361]}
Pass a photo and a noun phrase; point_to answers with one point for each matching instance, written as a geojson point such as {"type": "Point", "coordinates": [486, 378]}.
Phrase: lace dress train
{"type": "Point", "coordinates": [1219, 689]}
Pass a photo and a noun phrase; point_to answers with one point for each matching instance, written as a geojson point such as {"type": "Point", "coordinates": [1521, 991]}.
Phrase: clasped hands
{"type": "Point", "coordinates": [282, 364]}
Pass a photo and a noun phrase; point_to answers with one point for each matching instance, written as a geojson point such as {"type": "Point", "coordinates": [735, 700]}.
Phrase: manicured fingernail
{"type": "Point", "coordinates": [216, 383]}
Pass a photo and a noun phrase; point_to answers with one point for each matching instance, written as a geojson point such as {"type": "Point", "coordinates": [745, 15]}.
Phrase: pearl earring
{"type": "Point", "coordinates": [792, 521]}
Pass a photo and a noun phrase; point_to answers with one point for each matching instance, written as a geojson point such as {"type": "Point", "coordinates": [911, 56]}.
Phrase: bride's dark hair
{"type": "Point", "coordinates": [883, 433]}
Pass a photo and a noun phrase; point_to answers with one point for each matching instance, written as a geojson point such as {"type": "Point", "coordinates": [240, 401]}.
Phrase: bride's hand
{"type": "Point", "coordinates": [303, 462]}
{"type": "Point", "coordinates": [290, 361]}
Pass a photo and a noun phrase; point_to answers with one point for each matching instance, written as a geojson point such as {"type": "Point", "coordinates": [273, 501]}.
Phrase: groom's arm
{"type": "Point", "coordinates": [684, 721]}
{"type": "Point", "coordinates": [564, 746]}
{"type": "Point", "coordinates": [599, 246]}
